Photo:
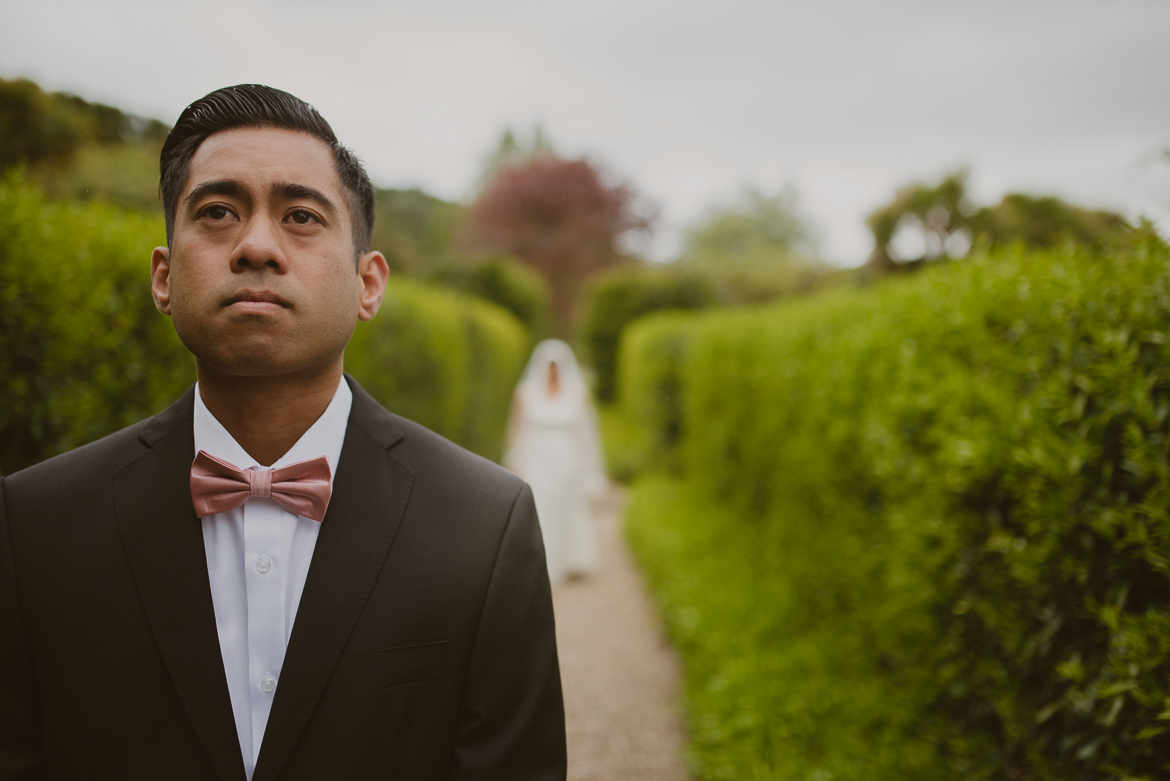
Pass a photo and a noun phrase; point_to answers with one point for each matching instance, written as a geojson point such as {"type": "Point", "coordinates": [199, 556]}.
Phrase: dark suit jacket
{"type": "Point", "coordinates": [423, 647]}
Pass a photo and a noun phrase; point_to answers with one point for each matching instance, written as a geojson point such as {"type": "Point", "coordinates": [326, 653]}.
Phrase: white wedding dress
{"type": "Point", "coordinates": [556, 449]}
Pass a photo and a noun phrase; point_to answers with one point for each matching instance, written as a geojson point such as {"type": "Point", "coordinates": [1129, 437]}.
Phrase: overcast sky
{"type": "Point", "coordinates": [687, 101]}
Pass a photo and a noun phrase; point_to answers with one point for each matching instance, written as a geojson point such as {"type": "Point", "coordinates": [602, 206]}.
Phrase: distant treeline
{"type": "Point", "coordinates": [50, 128]}
{"type": "Point", "coordinates": [941, 221]}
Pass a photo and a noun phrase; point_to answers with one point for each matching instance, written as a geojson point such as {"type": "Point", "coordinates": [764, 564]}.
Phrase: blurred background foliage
{"type": "Point", "coordinates": [76, 149]}
{"type": "Point", "coordinates": [904, 521]}
{"type": "Point", "coordinates": [918, 530]}
{"type": "Point", "coordinates": [413, 230]}
{"type": "Point", "coordinates": [757, 247]}
{"type": "Point", "coordinates": [617, 299]}
{"type": "Point", "coordinates": [925, 222]}
{"type": "Point", "coordinates": [560, 217]}
{"type": "Point", "coordinates": [446, 361]}
{"type": "Point", "coordinates": [83, 351]}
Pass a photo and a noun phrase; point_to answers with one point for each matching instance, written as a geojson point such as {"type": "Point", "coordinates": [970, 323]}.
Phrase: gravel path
{"type": "Point", "coordinates": [621, 679]}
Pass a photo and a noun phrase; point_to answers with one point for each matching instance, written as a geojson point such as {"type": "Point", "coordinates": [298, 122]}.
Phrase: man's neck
{"type": "Point", "coordinates": [267, 415]}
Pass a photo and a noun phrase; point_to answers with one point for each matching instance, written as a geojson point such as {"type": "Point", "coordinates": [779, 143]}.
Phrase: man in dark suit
{"type": "Point", "coordinates": [327, 590]}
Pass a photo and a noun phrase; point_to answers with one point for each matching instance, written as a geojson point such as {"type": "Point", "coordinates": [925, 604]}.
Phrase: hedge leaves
{"type": "Point", "coordinates": [955, 492]}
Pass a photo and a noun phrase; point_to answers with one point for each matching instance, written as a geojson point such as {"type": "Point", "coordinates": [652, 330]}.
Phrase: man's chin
{"type": "Point", "coordinates": [259, 352]}
{"type": "Point", "coordinates": [249, 361]}
{"type": "Point", "coordinates": [263, 363]}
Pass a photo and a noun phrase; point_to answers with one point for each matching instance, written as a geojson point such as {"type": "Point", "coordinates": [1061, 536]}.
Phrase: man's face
{"type": "Point", "coordinates": [260, 278]}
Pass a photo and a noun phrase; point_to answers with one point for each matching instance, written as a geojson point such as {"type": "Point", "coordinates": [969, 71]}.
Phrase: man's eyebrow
{"type": "Point", "coordinates": [290, 192]}
{"type": "Point", "coordinates": [214, 187]}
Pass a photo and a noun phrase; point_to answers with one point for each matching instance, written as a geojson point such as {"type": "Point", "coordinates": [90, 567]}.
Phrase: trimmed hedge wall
{"type": "Point", "coordinates": [925, 527]}
{"type": "Point", "coordinates": [649, 382]}
{"type": "Point", "coordinates": [448, 362]}
{"type": "Point", "coordinates": [622, 296]}
{"type": "Point", "coordinates": [83, 351]}
{"type": "Point", "coordinates": [506, 283]}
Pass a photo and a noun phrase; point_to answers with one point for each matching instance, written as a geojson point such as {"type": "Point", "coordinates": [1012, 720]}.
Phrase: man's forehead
{"type": "Point", "coordinates": [262, 155]}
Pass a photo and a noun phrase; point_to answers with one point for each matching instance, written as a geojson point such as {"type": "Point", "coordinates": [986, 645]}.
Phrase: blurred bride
{"type": "Point", "coordinates": [554, 445]}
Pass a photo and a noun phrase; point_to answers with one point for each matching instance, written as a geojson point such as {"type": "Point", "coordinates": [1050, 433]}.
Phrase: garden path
{"type": "Point", "coordinates": [621, 678]}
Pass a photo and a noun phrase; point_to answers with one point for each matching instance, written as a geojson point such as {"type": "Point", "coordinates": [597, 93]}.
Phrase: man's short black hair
{"type": "Point", "coordinates": [254, 105]}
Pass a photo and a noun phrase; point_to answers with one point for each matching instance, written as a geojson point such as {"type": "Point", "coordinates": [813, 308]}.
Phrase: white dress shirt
{"type": "Point", "coordinates": [258, 558]}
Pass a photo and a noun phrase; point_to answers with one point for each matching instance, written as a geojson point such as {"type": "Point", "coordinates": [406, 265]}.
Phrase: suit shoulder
{"type": "Point", "coordinates": [108, 454]}
{"type": "Point", "coordinates": [101, 457]}
{"type": "Point", "coordinates": [429, 455]}
{"type": "Point", "coordinates": [425, 452]}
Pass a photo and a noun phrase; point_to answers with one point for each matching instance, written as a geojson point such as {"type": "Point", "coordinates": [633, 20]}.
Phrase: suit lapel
{"type": "Point", "coordinates": [370, 492]}
{"type": "Point", "coordinates": [164, 547]}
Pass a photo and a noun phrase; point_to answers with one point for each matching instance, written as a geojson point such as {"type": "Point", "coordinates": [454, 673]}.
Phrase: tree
{"type": "Point", "coordinates": [753, 223]}
{"type": "Point", "coordinates": [561, 218]}
{"type": "Point", "coordinates": [936, 222]}
{"type": "Point", "coordinates": [755, 248]}
{"type": "Point", "coordinates": [35, 127]}
{"type": "Point", "coordinates": [515, 149]}
{"type": "Point", "coordinates": [922, 223]}
{"type": "Point", "coordinates": [1045, 221]}
{"type": "Point", "coordinates": [76, 149]}
{"type": "Point", "coordinates": [415, 231]}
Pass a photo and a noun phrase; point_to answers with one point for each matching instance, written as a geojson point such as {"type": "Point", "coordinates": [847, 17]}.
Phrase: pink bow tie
{"type": "Point", "coordinates": [302, 488]}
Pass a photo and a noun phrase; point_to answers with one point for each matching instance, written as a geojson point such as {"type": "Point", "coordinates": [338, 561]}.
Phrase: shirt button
{"type": "Point", "coordinates": [263, 564]}
{"type": "Point", "coordinates": [267, 683]}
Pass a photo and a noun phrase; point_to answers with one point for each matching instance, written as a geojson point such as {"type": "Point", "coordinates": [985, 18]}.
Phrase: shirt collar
{"type": "Point", "coordinates": [324, 438]}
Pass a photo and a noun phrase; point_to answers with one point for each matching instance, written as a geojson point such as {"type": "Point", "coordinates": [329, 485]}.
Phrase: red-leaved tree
{"type": "Point", "coordinates": [561, 218]}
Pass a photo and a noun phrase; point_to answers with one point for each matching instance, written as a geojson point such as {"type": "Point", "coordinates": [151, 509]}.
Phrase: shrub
{"type": "Point", "coordinates": [447, 362]}
{"type": "Point", "coordinates": [498, 347]}
{"type": "Point", "coordinates": [618, 298]}
{"type": "Point", "coordinates": [937, 513]}
{"type": "Point", "coordinates": [626, 444]}
{"type": "Point", "coordinates": [771, 691]}
{"type": "Point", "coordinates": [415, 231]}
{"type": "Point", "coordinates": [506, 283]}
{"type": "Point", "coordinates": [650, 382]}
{"type": "Point", "coordinates": [83, 351]}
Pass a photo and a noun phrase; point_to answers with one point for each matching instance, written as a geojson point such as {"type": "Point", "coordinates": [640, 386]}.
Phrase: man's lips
{"type": "Point", "coordinates": [257, 301]}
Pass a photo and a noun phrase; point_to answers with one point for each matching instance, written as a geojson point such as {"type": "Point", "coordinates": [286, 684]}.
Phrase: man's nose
{"type": "Point", "coordinates": [259, 247]}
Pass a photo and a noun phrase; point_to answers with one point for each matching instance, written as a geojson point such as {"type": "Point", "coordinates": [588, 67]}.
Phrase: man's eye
{"type": "Point", "coordinates": [217, 212]}
{"type": "Point", "coordinates": [302, 217]}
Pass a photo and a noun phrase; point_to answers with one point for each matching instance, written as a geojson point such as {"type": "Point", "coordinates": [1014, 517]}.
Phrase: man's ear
{"type": "Point", "coordinates": [160, 279]}
{"type": "Point", "coordinates": [373, 271]}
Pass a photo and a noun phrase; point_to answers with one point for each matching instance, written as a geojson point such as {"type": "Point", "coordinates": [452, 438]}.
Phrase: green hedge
{"type": "Point", "coordinates": [620, 297]}
{"type": "Point", "coordinates": [649, 382]}
{"type": "Point", "coordinates": [506, 283]}
{"type": "Point", "coordinates": [448, 362]}
{"type": "Point", "coordinates": [83, 351]}
{"type": "Point", "coordinates": [924, 531]}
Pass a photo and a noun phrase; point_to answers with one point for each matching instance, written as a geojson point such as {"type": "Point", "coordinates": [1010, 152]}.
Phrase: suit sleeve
{"type": "Point", "coordinates": [21, 745]}
{"type": "Point", "coordinates": [512, 720]}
